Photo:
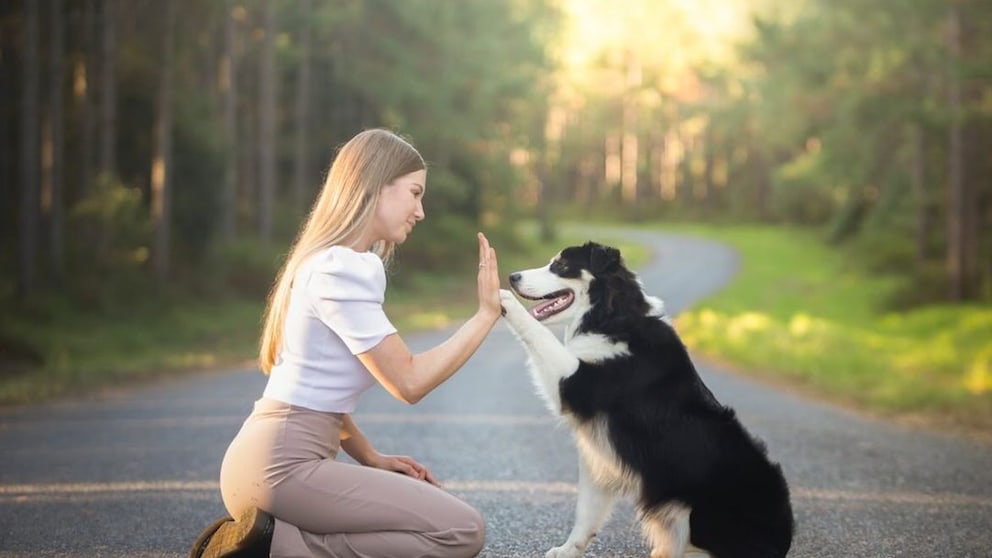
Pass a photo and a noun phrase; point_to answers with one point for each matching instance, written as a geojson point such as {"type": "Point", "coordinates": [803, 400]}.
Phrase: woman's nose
{"type": "Point", "coordinates": [419, 213]}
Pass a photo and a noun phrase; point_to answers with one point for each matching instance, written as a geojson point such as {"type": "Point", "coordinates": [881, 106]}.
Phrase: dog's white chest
{"type": "Point", "coordinates": [595, 347]}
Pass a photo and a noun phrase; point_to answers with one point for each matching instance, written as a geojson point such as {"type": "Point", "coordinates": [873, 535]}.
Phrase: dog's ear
{"type": "Point", "coordinates": [603, 259]}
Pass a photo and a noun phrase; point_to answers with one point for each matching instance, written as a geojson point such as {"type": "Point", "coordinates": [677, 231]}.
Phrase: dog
{"type": "Point", "coordinates": [645, 424]}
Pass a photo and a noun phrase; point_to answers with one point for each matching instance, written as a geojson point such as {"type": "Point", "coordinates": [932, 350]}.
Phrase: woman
{"type": "Point", "coordinates": [325, 341]}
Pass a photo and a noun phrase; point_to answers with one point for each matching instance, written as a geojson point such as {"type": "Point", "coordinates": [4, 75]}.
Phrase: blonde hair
{"type": "Point", "coordinates": [340, 215]}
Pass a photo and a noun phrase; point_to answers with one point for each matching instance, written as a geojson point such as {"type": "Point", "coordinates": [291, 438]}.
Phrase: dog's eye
{"type": "Point", "coordinates": [558, 267]}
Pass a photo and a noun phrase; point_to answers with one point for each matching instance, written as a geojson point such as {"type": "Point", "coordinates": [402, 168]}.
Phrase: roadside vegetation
{"type": "Point", "coordinates": [817, 317]}
{"type": "Point", "coordinates": [64, 349]}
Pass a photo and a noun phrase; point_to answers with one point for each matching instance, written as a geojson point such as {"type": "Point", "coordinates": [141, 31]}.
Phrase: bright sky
{"type": "Point", "coordinates": [679, 31]}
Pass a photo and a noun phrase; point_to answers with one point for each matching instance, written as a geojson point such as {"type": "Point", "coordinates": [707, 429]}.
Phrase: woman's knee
{"type": "Point", "coordinates": [475, 533]}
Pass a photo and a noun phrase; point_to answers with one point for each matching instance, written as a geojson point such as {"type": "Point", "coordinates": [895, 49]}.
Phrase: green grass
{"type": "Point", "coordinates": [808, 313]}
{"type": "Point", "coordinates": [82, 352]}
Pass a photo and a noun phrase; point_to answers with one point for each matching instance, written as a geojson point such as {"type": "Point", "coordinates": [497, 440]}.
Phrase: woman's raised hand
{"type": "Point", "coordinates": [489, 303]}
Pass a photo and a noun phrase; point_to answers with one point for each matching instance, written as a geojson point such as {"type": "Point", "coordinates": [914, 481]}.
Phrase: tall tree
{"type": "Point", "coordinates": [956, 257]}
{"type": "Point", "coordinates": [53, 203]}
{"type": "Point", "coordinates": [267, 125]}
{"type": "Point", "coordinates": [229, 89]}
{"type": "Point", "coordinates": [108, 89]}
{"type": "Point", "coordinates": [89, 104]}
{"type": "Point", "coordinates": [965, 138]}
{"type": "Point", "coordinates": [301, 168]}
{"type": "Point", "coordinates": [629, 143]}
{"type": "Point", "coordinates": [30, 124]}
{"type": "Point", "coordinates": [161, 172]}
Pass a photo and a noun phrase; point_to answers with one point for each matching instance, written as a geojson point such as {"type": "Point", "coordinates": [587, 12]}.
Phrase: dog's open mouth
{"type": "Point", "coordinates": [551, 303]}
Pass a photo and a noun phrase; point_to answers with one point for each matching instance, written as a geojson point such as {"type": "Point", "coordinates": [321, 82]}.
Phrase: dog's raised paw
{"type": "Point", "coordinates": [566, 550]}
{"type": "Point", "coordinates": [510, 303]}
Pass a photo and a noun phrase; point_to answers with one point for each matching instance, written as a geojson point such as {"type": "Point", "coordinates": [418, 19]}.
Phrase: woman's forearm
{"type": "Point", "coordinates": [354, 443]}
{"type": "Point", "coordinates": [432, 367]}
{"type": "Point", "coordinates": [410, 377]}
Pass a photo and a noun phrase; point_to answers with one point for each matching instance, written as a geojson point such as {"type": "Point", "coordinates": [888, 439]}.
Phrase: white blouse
{"type": "Point", "coordinates": [335, 312]}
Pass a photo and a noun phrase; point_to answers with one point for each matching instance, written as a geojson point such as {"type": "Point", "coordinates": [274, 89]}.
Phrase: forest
{"type": "Point", "coordinates": [169, 148]}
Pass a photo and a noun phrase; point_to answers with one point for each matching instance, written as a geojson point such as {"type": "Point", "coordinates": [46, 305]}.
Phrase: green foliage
{"type": "Point", "coordinates": [80, 351]}
{"type": "Point", "coordinates": [197, 174]}
{"type": "Point", "coordinates": [812, 314]}
{"type": "Point", "coordinates": [801, 191]}
{"type": "Point", "coordinates": [108, 249]}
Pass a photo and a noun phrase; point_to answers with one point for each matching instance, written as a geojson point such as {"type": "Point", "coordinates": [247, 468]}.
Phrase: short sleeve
{"type": "Point", "coordinates": [347, 290]}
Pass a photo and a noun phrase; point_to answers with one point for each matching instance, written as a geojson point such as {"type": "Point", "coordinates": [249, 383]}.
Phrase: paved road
{"type": "Point", "coordinates": [134, 473]}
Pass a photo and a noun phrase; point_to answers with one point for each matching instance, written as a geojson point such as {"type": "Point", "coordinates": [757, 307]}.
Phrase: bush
{"type": "Point", "coordinates": [799, 194]}
{"type": "Point", "coordinates": [107, 253]}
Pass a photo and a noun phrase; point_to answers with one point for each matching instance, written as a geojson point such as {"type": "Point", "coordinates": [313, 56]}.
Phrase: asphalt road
{"type": "Point", "coordinates": [134, 473]}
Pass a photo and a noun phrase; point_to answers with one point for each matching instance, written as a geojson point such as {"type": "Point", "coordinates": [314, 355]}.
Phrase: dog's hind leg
{"type": "Point", "coordinates": [592, 509]}
{"type": "Point", "coordinates": [550, 361]}
{"type": "Point", "coordinates": [667, 529]}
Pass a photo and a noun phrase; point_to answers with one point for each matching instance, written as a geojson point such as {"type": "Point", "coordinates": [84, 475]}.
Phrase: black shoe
{"type": "Point", "coordinates": [248, 537]}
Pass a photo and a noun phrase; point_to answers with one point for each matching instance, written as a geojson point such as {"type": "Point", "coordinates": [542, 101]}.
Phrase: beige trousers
{"type": "Point", "coordinates": [282, 461]}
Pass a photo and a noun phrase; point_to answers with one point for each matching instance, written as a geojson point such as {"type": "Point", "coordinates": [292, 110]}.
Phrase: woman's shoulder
{"type": "Point", "coordinates": [339, 266]}
{"type": "Point", "coordinates": [343, 258]}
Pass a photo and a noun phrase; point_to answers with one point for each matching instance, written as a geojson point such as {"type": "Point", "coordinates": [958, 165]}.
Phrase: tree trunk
{"type": "Point", "coordinates": [56, 165]}
{"type": "Point", "coordinates": [301, 175]}
{"type": "Point", "coordinates": [30, 123]}
{"type": "Point", "coordinates": [918, 182]}
{"type": "Point", "coordinates": [957, 196]}
{"type": "Point", "coordinates": [611, 165]}
{"type": "Point", "coordinates": [710, 148]}
{"type": "Point", "coordinates": [247, 194]}
{"type": "Point", "coordinates": [229, 72]}
{"type": "Point", "coordinates": [629, 143]}
{"type": "Point", "coordinates": [267, 127]}
{"type": "Point", "coordinates": [686, 181]}
{"type": "Point", "coordinates": [671, 152]}
{"type": "Point", "coordinates": [89, 141]}
{"type": "Point", "coordinates": [162, 157]}
{"type": "Point", "coordinates": [108, 91]}
{"type": "Point", "coordinates": [542, 173]}
{"type": "Point", "coordinates": [760, 178]}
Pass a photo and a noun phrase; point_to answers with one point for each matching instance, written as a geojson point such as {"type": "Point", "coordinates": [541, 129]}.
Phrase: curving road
{"type": "Point", "coordinates": [133, 474]}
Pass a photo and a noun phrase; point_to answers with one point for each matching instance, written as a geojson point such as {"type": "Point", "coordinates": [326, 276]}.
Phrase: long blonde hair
{"type": "Point", "coordinates": [339, 216]}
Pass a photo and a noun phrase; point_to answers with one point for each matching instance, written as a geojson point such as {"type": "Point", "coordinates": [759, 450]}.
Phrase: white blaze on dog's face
{"type": "Point", "coordinates": [562, 286]}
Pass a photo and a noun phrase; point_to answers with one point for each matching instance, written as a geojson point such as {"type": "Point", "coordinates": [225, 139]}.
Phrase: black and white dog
{"type": "Point", "coordinates": [645, 424]}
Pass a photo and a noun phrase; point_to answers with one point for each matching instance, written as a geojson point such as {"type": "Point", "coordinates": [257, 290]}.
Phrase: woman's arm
{"type": "Point", "coordinates": [355, 444]}
{"type": "Point", "coordinates": [410, 377]}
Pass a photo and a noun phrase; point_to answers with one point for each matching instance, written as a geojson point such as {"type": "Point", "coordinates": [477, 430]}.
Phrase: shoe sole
{"type": "Point", "coordinates": [237, 539]}
{"type": "Point", "coordinates": [200, 544]}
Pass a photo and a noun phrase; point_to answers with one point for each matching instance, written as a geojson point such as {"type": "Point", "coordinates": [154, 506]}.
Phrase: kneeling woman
{"type": "Point", "coordinates": [325, 341]}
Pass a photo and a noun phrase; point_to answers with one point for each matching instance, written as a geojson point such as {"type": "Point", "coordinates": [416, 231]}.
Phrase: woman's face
{"type": "Point", "coordinates": [400, 207]}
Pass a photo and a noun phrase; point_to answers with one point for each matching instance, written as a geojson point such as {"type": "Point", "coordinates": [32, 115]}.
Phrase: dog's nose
{"type": "Point", "coordinates": [514, 277]}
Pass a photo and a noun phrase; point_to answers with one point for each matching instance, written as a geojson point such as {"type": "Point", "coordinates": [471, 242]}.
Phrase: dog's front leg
{"type": "Point", "coordinates": [550, 361]}
{"type": "Point", "coordinates": [592, 509]}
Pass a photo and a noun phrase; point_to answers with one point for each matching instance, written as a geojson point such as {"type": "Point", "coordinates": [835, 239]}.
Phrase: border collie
{"type": "Point", "coordinates": [645, 424]}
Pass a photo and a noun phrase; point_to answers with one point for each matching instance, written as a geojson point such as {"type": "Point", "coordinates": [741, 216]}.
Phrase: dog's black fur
{"type": "Point", "coordinates": [665, 425]}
